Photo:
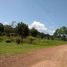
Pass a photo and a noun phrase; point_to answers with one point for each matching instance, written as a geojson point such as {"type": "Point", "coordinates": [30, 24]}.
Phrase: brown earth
{"type": "Point", "coordinates": [46, 57]}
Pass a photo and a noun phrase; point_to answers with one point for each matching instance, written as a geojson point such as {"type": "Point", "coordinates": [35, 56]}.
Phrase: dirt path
{"type": "Point", "coordinates": [50, 57]}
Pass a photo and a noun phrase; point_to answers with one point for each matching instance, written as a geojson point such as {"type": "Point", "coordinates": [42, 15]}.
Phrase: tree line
{"type": "Point", "coordinates": [22, 30]}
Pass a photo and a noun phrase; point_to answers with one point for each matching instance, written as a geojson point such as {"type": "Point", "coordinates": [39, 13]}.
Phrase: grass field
{"type": "Point", "coordinates": [13, 48]}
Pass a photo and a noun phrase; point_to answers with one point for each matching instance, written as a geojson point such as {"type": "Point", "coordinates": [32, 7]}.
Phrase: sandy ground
{"type": "Point", "coordinates": [49, 57]}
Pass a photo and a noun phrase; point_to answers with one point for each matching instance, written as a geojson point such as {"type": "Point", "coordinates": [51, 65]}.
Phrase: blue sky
{"type": "Point", "coordinates": [51, 13]}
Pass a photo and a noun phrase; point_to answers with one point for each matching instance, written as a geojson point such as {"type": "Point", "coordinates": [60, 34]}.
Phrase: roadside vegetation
{"type": "Point", "coordinates": [20, 39]}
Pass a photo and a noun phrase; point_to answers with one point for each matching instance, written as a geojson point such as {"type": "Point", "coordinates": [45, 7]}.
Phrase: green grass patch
{"type": "Point", "coordinates": [13, 48]}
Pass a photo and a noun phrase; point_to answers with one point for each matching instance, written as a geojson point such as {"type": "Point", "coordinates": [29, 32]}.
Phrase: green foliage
{"type": "Point", "coordinates": [22, 29]}
{"type": "Point", "coordinates": [18, 40]}
{"type": "Point", "coordinates": [1, 28]}
{"type": "Point", "coordinates": [61, 33]}
{"type": "Point", "coordinates": [13, 48]}
{"type": "Point", "coordinates": [42, 35]}
{"type": "Point", "coordinates": [8, 30]}
{"type": "Point", "coordinates": [33, 32]}
{"type": "Point", "coordinates": [8, 41]}
{"type": "Point", "coordinates": [30, 39]}
{"type": "Point", "coordinates": [1, 39]}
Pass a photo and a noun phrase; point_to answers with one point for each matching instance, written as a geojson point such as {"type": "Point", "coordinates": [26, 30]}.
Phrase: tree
{"type": "Point", "coordinates": [41, 34]}
{"type": "Point", "coordinates": [57, 33]}
{"type": "Point", "coordinates": [61, 33]}
{"type": "Point", "coordinates": [22, 29]}
{"type": "Point", "coordinates": [1, 28]}
{"type": "Point", "coordinates": [33, 32]}
{"type": "Point", "coordinates": [8, 30]}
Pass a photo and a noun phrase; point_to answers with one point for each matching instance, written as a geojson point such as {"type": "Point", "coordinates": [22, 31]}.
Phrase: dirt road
{"type": "Point", "coordinates": [49, 57]}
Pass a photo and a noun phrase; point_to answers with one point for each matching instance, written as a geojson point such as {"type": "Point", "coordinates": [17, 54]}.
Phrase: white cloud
{"type": "Point", "coordinates": [51, 32]}
{"type": "Point", "coordinates": [39, 26]}
{"type": "Point", "coordinates": [5, 23]}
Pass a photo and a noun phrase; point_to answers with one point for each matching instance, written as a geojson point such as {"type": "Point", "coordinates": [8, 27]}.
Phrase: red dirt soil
{"type": "Point", "coordinates": [46, 57]}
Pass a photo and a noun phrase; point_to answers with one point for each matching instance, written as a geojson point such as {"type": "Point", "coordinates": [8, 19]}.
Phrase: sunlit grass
{"type": "Point", "coordinates": [13, 48]}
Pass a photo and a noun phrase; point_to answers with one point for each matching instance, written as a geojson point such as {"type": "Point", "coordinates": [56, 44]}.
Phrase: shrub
{"type": "Point", "coordinates": [8, 41]}
{"type": "Point", "coordinates": [18, 40]}
{"type": "Point", "coordinates": [30, 39]}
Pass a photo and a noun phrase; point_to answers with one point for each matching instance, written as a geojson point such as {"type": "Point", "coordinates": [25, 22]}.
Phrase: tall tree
{"type": "Point", "coordinates": [22, 29]}
{"type": "Point", "coordinates": [33, 32]}
{"type": "Point", "coordinates": [1, 28]}
{"type": "Point", "coordinates": [8, 30]}
{"type": "Point", "coordinates": [61, 33]}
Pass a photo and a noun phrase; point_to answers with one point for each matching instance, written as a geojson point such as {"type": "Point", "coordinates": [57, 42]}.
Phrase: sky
{"type": "Point", "coordinates": [44, 15]}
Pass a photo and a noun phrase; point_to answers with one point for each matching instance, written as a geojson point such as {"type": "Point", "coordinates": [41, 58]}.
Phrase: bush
{"type": "Point", "coordinates": [18, 40]}
{"type": "Point", "coordinates": [30, 39]}
{"type": "Point", "coordinates": [8, 41]}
